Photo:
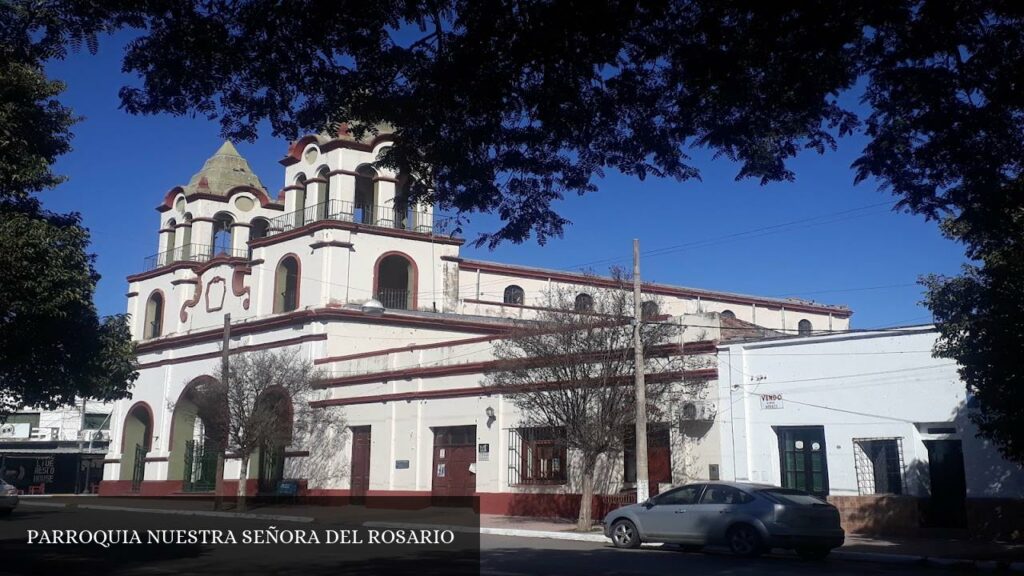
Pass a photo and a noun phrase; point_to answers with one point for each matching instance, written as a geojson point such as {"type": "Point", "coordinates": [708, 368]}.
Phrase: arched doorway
{"type": "Point", "coordinates": [395, 282]}
{"type": "Point", "coordinates": [274, 414]}
{"type": "Point", "coordinates": [136, 441]}
{"type": "Point", "coordinates": [195, 438]}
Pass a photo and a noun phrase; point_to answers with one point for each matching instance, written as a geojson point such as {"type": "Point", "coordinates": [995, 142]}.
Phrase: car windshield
{"type": "Point", "coordinates": [790, 496]}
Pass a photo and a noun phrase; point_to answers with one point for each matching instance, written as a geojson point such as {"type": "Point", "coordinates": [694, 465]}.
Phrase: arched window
{"type": "Point", "coordinates": [222, 234]}
{"type": "Point", "coordinates": [154, 316]}
{"type": "Point", "coordinates": [168, 255]}
{"type": "Point", "coordinates": [366, 194]}
{"type": "Point", "coordinates": [804, 327]}
{"type": "Point", "coordinates": [186, 237]}
{"type": "Point", "coordinates": [323, 193]}
{"type": "Point", "coordinates": [395, 281]}
{"type": "Point", "coordinates": [649, 310]}
{"type": "Point", "coordinates": [286, 285]}
{"type": "Point", "coordinates": [584, 303]}
{"type": "Point", "coordinates": [300, 200]}
{"type": "Point", "coordinates": [257, 229]}
{"type": "Point", "coordinates": [728, 314]}
{"type": "Point", "coordinates": [514, 295]}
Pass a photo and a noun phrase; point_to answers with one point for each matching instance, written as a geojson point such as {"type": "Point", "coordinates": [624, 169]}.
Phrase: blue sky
{"type": "Point", "coordinates": [820, 237]}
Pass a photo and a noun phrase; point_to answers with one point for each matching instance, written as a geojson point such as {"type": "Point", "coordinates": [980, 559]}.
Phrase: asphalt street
{"type": "Point", "coordinates": [498, 555]}
{"type": "Point", "coordinates": [509, 556]}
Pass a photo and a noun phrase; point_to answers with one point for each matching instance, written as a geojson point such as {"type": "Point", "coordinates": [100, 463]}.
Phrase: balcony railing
{"type": "Point", "coordinates": [191, 253]}
{"type": "Point", "coordinates": [394, 298]}
{"type": "Point", "coordinates": [342, 211]}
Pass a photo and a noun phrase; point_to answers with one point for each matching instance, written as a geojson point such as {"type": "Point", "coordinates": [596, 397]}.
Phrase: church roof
{"type": "Point", "coordinates": [223, 171]}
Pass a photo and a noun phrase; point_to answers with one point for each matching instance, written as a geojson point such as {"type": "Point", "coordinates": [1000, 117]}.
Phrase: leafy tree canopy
{"type": "Point", "coordinates": [504, 106]}
{"type": "Point", "coordinates": [54, 348]}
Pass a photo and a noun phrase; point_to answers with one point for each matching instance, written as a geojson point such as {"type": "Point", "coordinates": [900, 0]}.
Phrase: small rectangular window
{"type": "Point", "coordinates": [24, 418]}
{"type": "Point", "coordinates": [879, 463]}
{"type": "Point", "coordinates": [537, 456]}
{"type": "Point", "coordinates": [97, 422]}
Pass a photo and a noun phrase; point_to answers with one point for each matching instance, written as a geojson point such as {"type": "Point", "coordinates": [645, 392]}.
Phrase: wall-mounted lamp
{"type": "Point", "coordinates": [490, 416]}
{"type": "Point", "coordinates": [373, 306]}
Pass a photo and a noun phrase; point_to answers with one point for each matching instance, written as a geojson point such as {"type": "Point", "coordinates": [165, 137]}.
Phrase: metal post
{"type": "Point", "coordinates": [225, 353]}
{"type": "Point", "coordinates": [642, 489]}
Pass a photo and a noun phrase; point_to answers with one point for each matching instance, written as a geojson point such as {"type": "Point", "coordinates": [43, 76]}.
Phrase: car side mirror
{"type": "Point", "coordinates": [649, 503]}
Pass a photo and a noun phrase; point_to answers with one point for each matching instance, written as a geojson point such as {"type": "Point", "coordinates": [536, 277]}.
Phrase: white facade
{"type": "Point", "coordinates": [298, 279]}
{"type": "Point", "coordinates": [858, 388]}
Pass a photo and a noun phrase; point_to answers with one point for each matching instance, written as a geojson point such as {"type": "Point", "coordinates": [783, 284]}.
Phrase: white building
{"type": "Point", "coordinates": [870, 419]}
{"type": "Point", "coordinates": [293, 270]}
{"type": "Point", "coordinates": [55, 451]}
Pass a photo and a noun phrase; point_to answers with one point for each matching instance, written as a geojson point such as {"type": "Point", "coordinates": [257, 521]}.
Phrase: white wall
{"type": "Point", "coordinates": [867, 385]}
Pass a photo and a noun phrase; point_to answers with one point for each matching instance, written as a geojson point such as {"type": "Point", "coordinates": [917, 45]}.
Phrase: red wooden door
{"type": "Point", "coordinates": [454, 460]}
{"type": "Point", "coordinates": [360, 483]}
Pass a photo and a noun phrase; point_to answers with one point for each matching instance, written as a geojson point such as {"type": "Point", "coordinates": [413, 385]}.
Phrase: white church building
{"type": "Point", "coordinates": [294, 269]}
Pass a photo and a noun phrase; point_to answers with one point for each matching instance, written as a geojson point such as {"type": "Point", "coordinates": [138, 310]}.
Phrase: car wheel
{"type": "Point", "coordinates": [813, 552]}
{"type": "Point", "coordinates": [625, 535]}
{"type": "Point", "coordinates": [744, 541]}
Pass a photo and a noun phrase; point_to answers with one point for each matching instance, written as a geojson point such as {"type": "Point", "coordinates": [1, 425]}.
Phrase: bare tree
{"type": "Point", "coordinates": [265, 406]}
{"type": "Point", "coordinates": [571, 369]}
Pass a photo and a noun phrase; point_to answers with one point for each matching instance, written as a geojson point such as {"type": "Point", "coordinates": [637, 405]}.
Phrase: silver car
{"type": "Point", "coordinates": [748, 518]}
{"type": "Point", "coordinates": [8, 498]}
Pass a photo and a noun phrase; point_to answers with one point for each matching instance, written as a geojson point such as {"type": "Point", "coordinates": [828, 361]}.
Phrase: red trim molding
{"type": "Point", "coordinates": [251, 347]}
{"type": "Point", "coordinates": [300, 317]}
{"type": "Point", "coordinates": [330, 244]}
{"type": "Point", "coordinates": [356, 229]}
{"type": "Point", "coordinates": [409, 348]}
{"type": "Point", "coordinates": [705, 374]}
{"type": "Point", "coordinates": [662, 289]}
{"type": "Point", "coordinates": [702, 347]}
{"type": "Point", "coordinates": [261, 196]}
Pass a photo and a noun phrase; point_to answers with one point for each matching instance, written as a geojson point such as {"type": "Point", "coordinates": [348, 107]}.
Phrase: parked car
{"type": "Point", "coordinates": [8, 498]}
{"type": "Point", "coordinates": [748, 518]}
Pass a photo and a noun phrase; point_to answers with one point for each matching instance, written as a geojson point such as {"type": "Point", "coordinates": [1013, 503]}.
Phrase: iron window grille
{"type": "Point", "coordinates": [879, 465]}
{"type": "Point", "coordinates": [537, 455]}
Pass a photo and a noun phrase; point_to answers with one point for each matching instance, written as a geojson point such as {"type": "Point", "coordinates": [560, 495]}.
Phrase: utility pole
{"type": "Point", "coordinates": [225, 354]}
{"type": "Point", "coordinates": [642, 489]}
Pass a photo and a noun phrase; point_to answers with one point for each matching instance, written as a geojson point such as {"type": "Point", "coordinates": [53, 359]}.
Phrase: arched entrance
{"type": "Point", "coordinates": [395, 282]}
{"type": "Point", "coordinates": [194, 442]}
{"type": "Point", "coordinates": [136, 441]}
{"type": "Point", "coordinates": [274, 415]}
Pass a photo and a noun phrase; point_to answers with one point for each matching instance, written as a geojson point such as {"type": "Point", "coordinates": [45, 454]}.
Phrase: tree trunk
{"type": "Point", "coordinates": [585, 520]}
{"type": "Point", "coordinates": [218, 482]}
{"type": "Point", "coordinates": [243, 481]}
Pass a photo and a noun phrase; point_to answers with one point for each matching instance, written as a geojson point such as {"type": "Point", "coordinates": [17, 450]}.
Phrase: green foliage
{"type": "Point", "coordinates": [53, 346]}
{"type": "Point", "coordinates": [34, 130]}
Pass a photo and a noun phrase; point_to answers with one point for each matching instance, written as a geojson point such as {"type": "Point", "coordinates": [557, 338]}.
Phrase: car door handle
{"type": "Point", "coordinates": [725, 511]}
{"type": "Point", "coordinates": [680, 511]}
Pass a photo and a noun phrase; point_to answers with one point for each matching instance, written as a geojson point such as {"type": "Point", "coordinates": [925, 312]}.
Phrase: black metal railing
{"type": "Point", "coordinates": [192, 253]}
{"type": "Point", "coordinates": [394, 298]}
{"type": "Point", "coordinates": [397, 217]}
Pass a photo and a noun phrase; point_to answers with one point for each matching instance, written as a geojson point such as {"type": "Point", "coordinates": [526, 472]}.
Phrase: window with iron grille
{"type": "Point", "coordinates": [879, 463]}
{"type": "Point", "coordinates": [536, 456]}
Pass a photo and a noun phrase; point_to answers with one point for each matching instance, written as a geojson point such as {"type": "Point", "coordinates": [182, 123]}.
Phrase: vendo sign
{"type": "Point", "coordinates": [771, 401]}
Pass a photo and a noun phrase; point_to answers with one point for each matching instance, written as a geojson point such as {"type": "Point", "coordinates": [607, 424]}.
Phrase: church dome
{"type": "Point", "coordinates": [223, 171]}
